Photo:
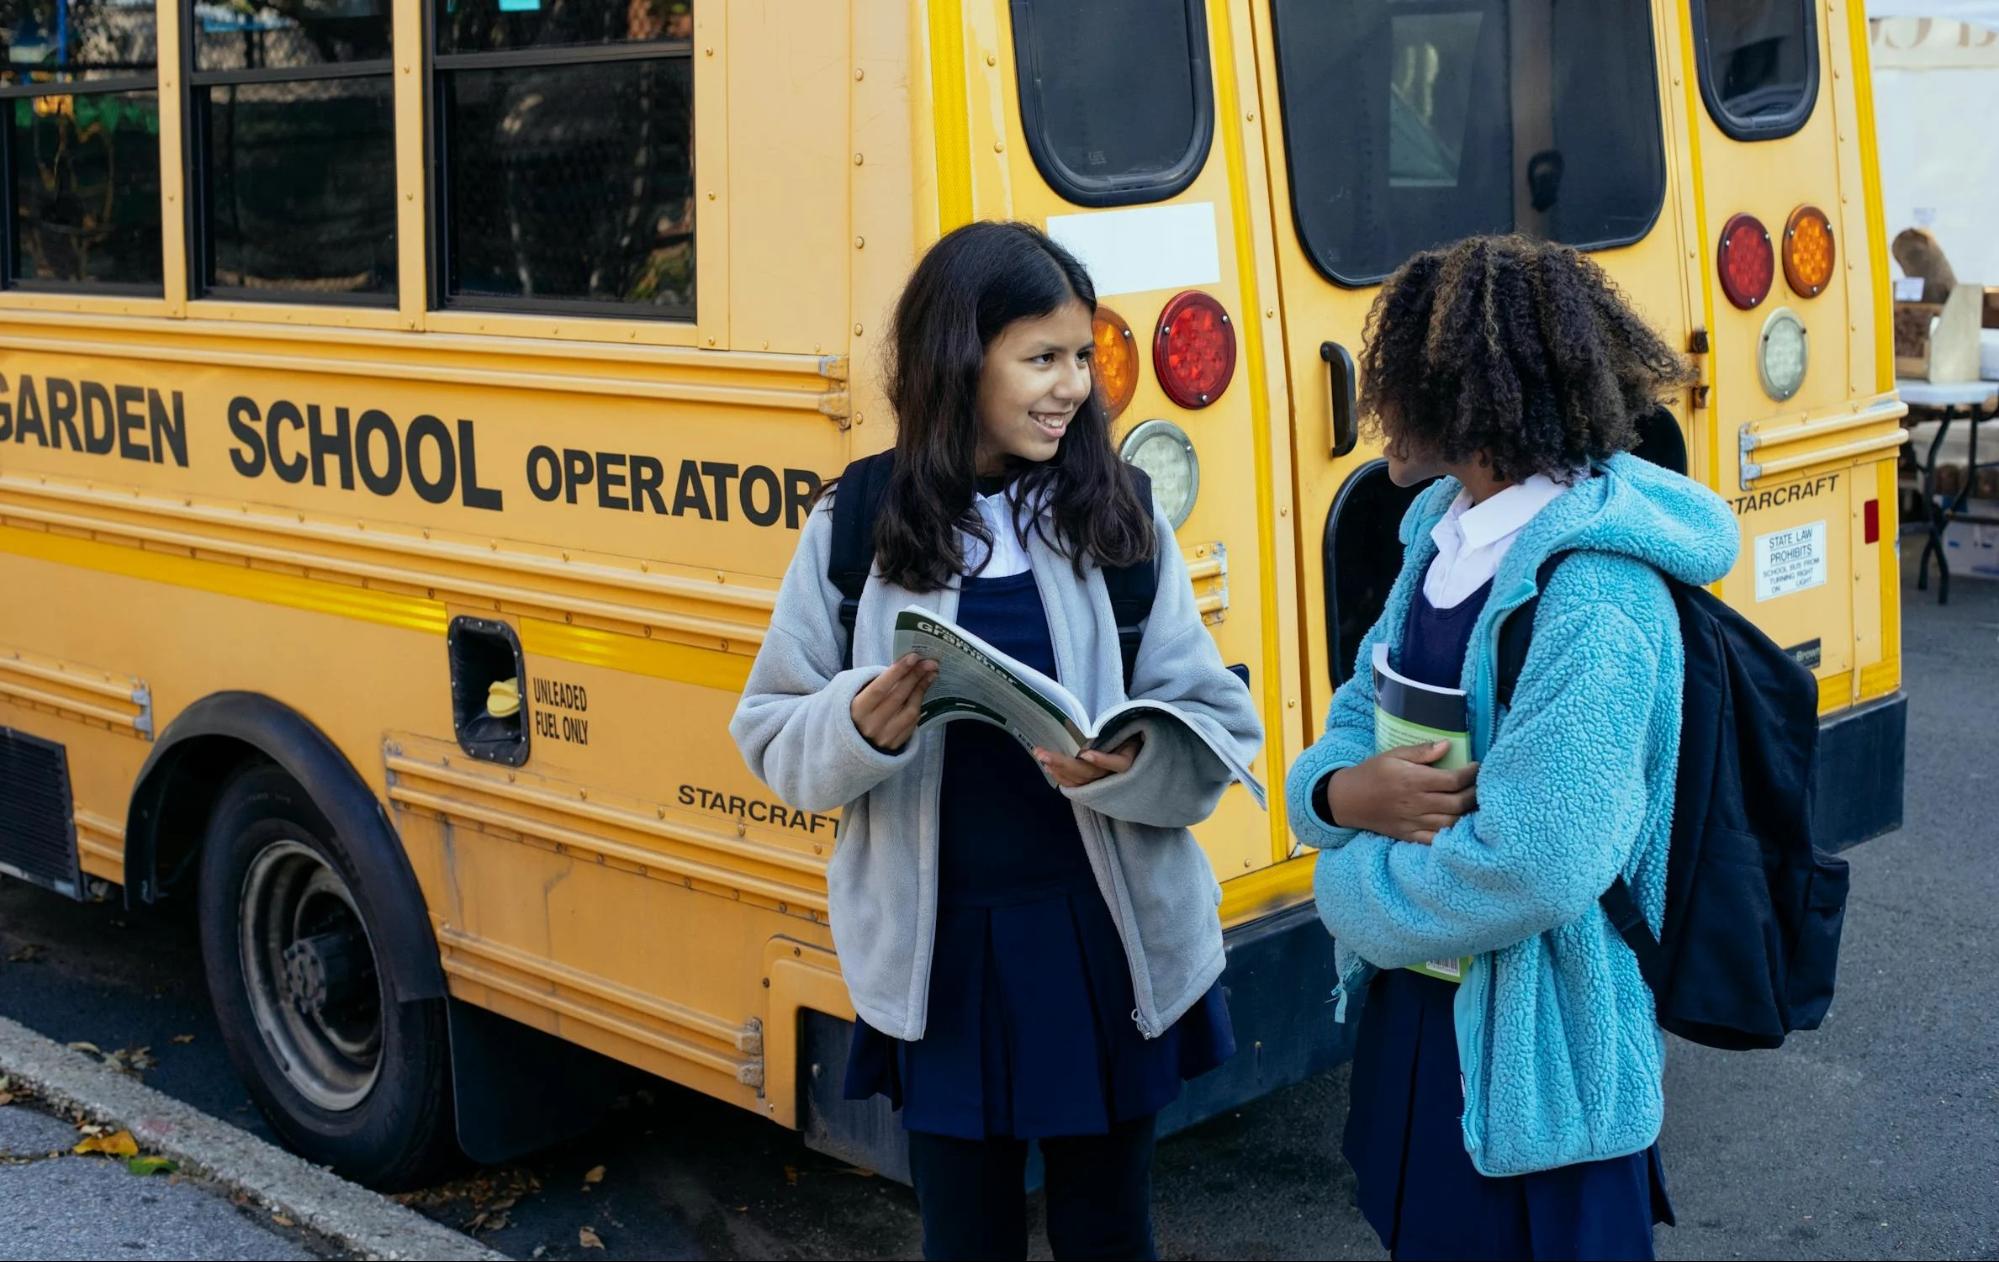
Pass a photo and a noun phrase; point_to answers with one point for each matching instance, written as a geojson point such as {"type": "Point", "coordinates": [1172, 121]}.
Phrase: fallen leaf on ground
{"type": "Point", "coordinates": [117, 1144]}
{"type": "Point", "coordinates": [281, 1220]}
{"type": "Point", "coordinates": [856, 1171]}
{"type": "Point", "coordinates": [131, 1060]}
{"type": "Point", "coordinates": [595, 1174]}
{"type": "Point", "coordinates": [149, 1165]}
{"type": "Point", "coordinates": [92, 1048]}
{"type": "Point", "coordinates": [90, 1128]}
{"type": "Point", "coordinates": [28, 954]}
{"type": "Point", "coordinates": [6, 1098]}
{"type": "Point", "coordinates": [589, 1239]}
{"type": "Point", "coordinates": [183, 1039]}
{"type": "Point", "coordinates": [791, 1175]}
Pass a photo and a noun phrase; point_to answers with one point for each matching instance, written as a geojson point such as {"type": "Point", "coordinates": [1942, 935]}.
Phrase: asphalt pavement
{"type": "Point", "coordinates": [1874, 1137]}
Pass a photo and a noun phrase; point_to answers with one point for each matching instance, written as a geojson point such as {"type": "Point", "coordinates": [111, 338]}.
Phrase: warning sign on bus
{"type": "Point", "coordinates": [1790, 560]}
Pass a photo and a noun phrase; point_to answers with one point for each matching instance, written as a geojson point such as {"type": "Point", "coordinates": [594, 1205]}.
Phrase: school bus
{"type": "Point", "coordinates": [407, 411]}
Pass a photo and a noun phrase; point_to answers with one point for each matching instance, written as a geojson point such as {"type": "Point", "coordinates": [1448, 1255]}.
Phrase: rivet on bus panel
{"type": "Point", "coordinates": [992, 59]}
{"type": "Point", "coordinates": [859, 159]}
{"type": "Point", "coordinates": [999, 146]}
{"type": "Point", "coordinates": [859, 74]}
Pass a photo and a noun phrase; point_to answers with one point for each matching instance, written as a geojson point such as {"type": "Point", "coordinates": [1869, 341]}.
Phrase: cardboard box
{"type": "Point", "coordinates": [1971, 547]}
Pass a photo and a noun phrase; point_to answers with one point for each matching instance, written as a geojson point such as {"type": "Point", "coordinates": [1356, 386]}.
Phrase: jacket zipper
{"type": "Point", "coordinates": [1476, 987]}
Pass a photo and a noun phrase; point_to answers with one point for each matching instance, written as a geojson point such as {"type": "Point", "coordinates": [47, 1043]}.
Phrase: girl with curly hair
{"type": "Point", "coordinates": [1514, 1112]}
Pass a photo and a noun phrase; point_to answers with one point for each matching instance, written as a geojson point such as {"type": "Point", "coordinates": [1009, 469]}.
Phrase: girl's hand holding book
{"type": "Point", "coordinates": [885, 712]}
{"type": "Point", "coordinates": [1399, 794]}
{"type": "Point", "coordinates": [1091, 765]}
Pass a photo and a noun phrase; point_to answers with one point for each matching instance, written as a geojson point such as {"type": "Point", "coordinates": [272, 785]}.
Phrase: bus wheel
{"type": "Point", "coordinates": [351, 1078]}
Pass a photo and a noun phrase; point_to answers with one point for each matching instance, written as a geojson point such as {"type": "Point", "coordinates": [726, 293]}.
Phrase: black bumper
{"type": "Point", "coordinates": [1861, 763]}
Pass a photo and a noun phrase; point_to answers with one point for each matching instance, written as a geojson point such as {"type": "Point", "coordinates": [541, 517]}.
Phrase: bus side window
{"type": "Point", "coordinates": [292, 136]}
{"type": "Point", "coordinates": [83, 146]}
{"type": "Point", "coordinates": [565, 140]}
{"type": "Point", "coordinates": [1114, 96]}
{"type": "Point", "coordinates": [1759, 65]}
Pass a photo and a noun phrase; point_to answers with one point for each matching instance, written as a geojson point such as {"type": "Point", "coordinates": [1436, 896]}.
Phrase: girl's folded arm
{"type": "Point", "coordinates": [794, 724]}
{"type": "Point", "coordinates": [1562, 797]}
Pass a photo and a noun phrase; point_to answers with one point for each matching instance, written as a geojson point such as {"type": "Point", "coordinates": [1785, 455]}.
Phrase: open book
{"type": "Point", "coordinates": [1408, 712]}
{"type": "Point", "coordinates": [977, 681]}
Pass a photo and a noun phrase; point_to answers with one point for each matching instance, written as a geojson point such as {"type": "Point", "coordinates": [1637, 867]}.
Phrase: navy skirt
{"type": "Point", "coordinates": [1031, 1031]}
{"type": "Point", "coordinates": [1417, 1186]}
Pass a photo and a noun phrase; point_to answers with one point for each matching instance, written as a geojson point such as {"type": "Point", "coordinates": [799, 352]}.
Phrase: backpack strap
{"type": "Point", "coordinates": [1619, 904]}
{"type": "Point", "coordinates": [1517, 635]}
{"type": "Point", "coordinates": [857, 500]}
{"type": "Point", "coordinates": [1132, 588]}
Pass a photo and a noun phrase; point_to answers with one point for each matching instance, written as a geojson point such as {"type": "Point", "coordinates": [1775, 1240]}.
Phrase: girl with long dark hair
{"type": "Point", "coordinates": [1030, 940]}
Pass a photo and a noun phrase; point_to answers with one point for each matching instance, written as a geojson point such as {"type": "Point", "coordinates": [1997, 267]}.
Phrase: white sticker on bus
{"type": "Point", "coordinates": [1790, 560]}
{"type": "Point", "coordinates": [1143, 248]}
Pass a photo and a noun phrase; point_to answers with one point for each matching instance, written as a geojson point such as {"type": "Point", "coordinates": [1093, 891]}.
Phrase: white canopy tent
{"type": "Point", "coordinates": [1936, 96]}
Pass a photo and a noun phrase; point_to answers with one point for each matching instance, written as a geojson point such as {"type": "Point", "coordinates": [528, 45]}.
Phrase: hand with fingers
{"type": "Point", "coordinates": [885, 712]}
{"type": "Point", "coordinates": [1089, 766]}
{"type": "Point", "coordinates": [1400, 794]}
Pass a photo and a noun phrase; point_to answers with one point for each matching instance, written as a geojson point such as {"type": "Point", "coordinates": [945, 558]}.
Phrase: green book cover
{"type": "Point", "coordinates": [1408, 712]}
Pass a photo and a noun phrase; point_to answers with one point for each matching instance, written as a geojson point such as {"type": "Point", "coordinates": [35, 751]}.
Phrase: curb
{"type": "Point", "coordinates": [349, 1215]}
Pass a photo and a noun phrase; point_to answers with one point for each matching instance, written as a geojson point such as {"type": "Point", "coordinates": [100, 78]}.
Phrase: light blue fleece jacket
{"type": "Point", "coordinates": [1561, 1054]}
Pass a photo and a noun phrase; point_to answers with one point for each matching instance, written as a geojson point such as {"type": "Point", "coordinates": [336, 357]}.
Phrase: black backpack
{"type": "Point", "coordinates": [1750, 943]}
{"type": "Point", "coordinates": [856, 501]}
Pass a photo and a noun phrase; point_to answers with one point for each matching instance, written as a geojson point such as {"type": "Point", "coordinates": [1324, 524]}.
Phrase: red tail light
{"type": "Point", "coordinates": [1746, 261]}
{"type": "Point", "coordinates": [1193, 352]}
{"type": "Point", "coordinates": [1870, 521]}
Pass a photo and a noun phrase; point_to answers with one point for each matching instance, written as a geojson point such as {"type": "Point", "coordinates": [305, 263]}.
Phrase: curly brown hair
{"type": "Point", "coordinates": [1516, 351]}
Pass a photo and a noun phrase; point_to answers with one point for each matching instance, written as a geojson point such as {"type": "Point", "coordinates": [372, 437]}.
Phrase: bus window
{"type": "Point", "coordinates": [293, 150]}
{"type": "Point", "coordinates": [82, 145]}
{"type": "Point", "coordinates": [565, 133]}
{"type": "Point", "coordinates": [1409, 123]}
{"type": "Point", "coordinates": [1114, 96]}
{"type": "Point", "coordinates": [1759, 65]}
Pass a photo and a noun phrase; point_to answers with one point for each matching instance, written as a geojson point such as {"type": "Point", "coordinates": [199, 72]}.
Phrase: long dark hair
{"type": "Point", "coordinates": [969, 287]}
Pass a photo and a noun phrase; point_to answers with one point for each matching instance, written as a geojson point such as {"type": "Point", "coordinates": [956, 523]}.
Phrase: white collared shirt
{"type": "Point", "coordinates": [1009, 557]}
{"type": "Point", "coordinates": [1473, 539]}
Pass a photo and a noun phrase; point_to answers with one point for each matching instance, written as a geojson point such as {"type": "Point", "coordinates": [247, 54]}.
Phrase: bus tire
{"type": "Point", "coordinates": [351, 1078]}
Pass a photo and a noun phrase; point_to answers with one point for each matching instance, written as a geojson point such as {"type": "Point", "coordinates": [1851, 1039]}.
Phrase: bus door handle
{"type": "Point", "coordinates": [1341, 381]}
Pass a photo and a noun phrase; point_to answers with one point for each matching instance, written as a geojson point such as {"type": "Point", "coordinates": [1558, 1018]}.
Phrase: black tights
{"type": "Point", "coordinates": [972, 1196]}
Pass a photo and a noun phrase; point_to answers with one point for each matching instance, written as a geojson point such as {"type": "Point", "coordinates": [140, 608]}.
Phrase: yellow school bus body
{"type": "Point", "coordinates": [629, 887]}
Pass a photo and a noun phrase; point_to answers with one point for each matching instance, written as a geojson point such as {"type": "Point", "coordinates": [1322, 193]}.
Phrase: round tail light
{"type": "Point", "coordinates": [1746, 261]}
{"type": "Point", "coordinates": [1194, 350]}
{"type": "Point", "coordinates": [1808, 252]}
{"type": "Point", "coordinates": [1116, 360]}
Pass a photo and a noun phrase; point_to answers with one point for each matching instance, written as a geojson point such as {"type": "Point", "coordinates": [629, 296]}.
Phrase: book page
{"type": "Point", "coordinates": [1110, 734]}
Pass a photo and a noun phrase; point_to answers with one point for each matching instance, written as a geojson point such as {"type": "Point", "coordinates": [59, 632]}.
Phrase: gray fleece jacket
{"type": "Point", "coordinates": [794, 728]}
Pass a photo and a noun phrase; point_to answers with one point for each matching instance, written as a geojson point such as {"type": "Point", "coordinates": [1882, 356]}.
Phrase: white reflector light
{"type": "Point", "coordinates": [1781, 358]}
{"type": "Point", "coordinates": [1164, 451]}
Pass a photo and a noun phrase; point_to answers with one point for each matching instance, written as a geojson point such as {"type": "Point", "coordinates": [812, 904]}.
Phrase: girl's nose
{"type": "Point", "coordinates": [1074, 386]}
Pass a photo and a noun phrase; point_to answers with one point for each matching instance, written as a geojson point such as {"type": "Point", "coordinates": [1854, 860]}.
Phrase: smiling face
{"type": "Point", "coordinates": [1036, 374]}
